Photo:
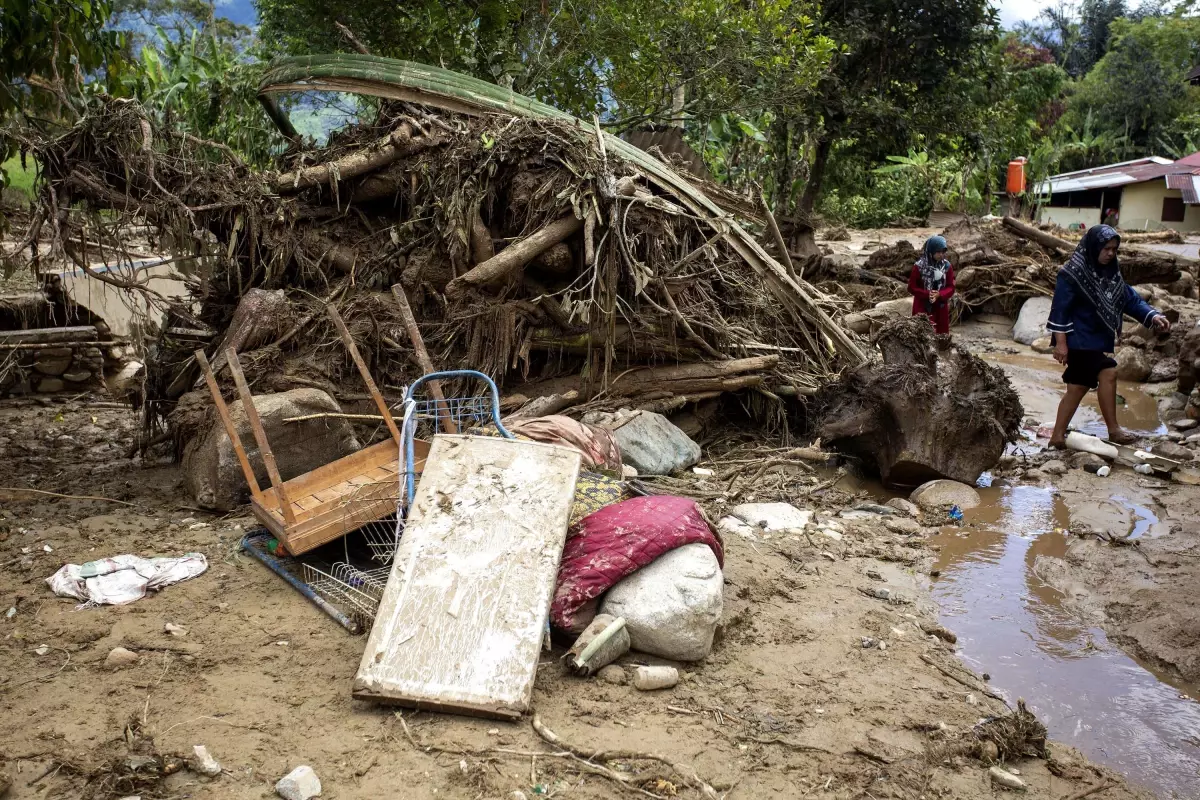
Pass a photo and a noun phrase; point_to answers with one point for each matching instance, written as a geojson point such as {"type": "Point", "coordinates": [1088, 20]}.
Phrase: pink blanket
{"type": "Point", "coordinates": [618, 540]}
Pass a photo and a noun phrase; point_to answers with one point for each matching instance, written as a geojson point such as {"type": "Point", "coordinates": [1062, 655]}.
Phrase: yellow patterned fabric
{"type": "Point", "coordinates": [593, 492]}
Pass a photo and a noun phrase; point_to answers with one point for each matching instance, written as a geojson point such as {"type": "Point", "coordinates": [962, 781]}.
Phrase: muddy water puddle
{"type": "Point", "coordinates": [1011, 624]}
{"type": "Point", "coordinates": [1038, 379]}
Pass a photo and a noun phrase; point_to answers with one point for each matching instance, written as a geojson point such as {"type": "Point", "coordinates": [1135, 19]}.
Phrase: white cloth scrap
{"type": "Point", "coordinates": [123, 579]}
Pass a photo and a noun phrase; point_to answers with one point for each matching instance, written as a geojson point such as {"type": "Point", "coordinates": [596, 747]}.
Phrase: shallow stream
{"type": "Point", "coordinates": [1011, 624]}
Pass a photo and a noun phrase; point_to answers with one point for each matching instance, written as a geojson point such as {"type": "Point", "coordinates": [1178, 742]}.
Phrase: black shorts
{"type": "Point", "coordinates": [1084, 367]}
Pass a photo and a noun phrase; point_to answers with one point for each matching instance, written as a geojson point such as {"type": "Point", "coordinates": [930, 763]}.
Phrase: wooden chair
{"type": "Point", "coordinates": [332, 500]}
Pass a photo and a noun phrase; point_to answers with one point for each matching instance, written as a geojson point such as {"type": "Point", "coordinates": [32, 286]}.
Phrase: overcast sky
{"type": "Point", "coordinates": [1014, 11]}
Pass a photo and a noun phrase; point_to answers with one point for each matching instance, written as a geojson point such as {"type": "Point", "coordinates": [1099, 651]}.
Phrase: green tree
{"type": "Point", "coordinates": [1095, 21]}
{"type": "Point", "coordinates": [1137, 89]}
{"type": "Point", "coordinates": [619, 57]}
{"type": "Point", "coordinates": [47, 47]}
{"type": "Point", "coordinates": [883, 89]}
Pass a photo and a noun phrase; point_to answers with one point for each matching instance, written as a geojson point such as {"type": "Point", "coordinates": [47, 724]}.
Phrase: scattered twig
{"type": "Point", "coordinates": [64, 496]}
{"type": "Point", "coordinates": [687, 774]}
{"type": "Point", "coordinates": [37, 679]}
{"type": "Point", "coordinates": [1082, 793]}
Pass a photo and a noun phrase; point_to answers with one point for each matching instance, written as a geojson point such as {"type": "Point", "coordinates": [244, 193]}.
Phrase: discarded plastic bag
{"type": "Point", "coordinates": [123, 579]}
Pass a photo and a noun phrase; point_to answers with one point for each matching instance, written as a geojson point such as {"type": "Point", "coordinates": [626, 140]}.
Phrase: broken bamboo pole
{"type": "Point", "coordinates": [418, 345]}
{"type": "Point", "coordinates": [780, 244]}
{"type": "Point", "coordinates": [516, 255]}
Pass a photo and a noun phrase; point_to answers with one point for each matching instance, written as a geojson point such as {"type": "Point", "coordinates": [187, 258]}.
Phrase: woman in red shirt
{"type": "Point", "coordinates": [931, 284]}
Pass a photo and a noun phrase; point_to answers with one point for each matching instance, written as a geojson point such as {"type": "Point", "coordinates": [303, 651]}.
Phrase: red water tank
{"type": "Point", "coordinates": [1016, 176]}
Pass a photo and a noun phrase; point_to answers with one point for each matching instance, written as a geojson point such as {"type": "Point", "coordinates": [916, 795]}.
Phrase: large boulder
{"type": "Point", "coordinates": [653, 446]}
{"type": "Point", "coordinates": [920, 414]}
{"type": "Point", "coordinates": [211, 469]}
{"type": "Point", "coordinates": [671, 606]}
{"type": "Point", "coordinates": [1133, 364]}
{"type": "Point", "coordinates": [1031, 322]}
{"type": "Point", "coordinates": [941, 494]}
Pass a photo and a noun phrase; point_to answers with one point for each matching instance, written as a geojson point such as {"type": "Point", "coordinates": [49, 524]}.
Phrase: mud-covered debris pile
{"type": "Point", "coordinates": [920, 414]}
{"type": "Point", "coordinates": [527, 250]}
{"type": "Point", "coordinates": [999, 265]}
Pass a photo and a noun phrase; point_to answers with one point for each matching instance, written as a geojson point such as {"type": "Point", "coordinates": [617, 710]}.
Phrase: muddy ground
{"type": "Point", "coordinates": [789, 704]}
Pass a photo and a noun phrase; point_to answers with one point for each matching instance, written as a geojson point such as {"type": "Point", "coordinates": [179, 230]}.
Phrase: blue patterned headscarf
{"type": "Point", "coordinates": [1101, 284]}
{"type": "Point", "coordinates": [933, 271]}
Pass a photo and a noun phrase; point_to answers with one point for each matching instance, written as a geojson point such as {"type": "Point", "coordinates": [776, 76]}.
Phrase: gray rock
{"type": "Point", "coordinates": [1184, 424]}
{"type": "Point", "coordinates": [1133, 364]}
{"type": "Point", "coordinates": [671, 606]}
{"type": "Point", "coordinates": [903, 526]}
{"type": "Point", "coordinates": [204, 763]}
{"type": "Point", "coordinates": [1087, 461]}
{"type": "Point", "coordinates": [941, 494]}
{"type": "Point", "coordinates": [751, 520]}
{"type": "Point", "coordinates": [906, 507]}
{"type": "Point", "coordinates": [48, 385]}
{"type": "Point", "coordinates": [653, 446]}
{"type": "Point", "coordinates": [895, 308]}
{"type": "Point", "coordinates": [210, 466]}
{"type": "Point", "coordinates": [1043, 344]}
{"type": "Point", "coordinates": [1031, 322]}
{"type": "Point", "coordinates": [78, 376]}
{"type": "Point", "coordinates": [613, 674]}
{"type": "Point", "coordinates": [1172, 451]}
{"type": "Point", "coordinates": [299, 784]}
{"type": "Point", "coordinates": [1054, 467]}
{"type": "Point", "coordinates": [1036, 476]}
{"type": "Point", "coordinates": [1164, 371]}
{"type": "Point", "coordinates": [120, 657]}
{"type": "Point", "coordinates": [53, 362]}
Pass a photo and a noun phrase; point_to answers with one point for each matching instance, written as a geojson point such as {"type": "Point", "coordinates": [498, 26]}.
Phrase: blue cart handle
{"type": "Point", "coordinates": [410, 429]}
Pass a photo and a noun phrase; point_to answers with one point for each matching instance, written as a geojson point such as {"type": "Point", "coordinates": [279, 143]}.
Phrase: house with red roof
{"type": "Point", "coordinates": [1146, 194]}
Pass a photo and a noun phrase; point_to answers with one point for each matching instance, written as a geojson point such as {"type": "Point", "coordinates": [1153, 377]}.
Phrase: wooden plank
{"type": "Point", "coordinates": [306, 503]}
{"type": "Point", "coordinates": [260, 436]}
{"type": "Point", "coordinates": [227, 421]}
{"type": "Point", "coordinates": [461, 621]}
{"type": "Point", "coordinates": [348, 340]}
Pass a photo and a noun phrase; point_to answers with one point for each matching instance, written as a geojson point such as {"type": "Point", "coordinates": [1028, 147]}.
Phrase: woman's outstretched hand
{"type": "Point", "coordinates": [1161, 324]}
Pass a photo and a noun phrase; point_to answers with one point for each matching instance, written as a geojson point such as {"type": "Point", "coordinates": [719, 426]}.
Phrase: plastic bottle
{"type": "Point", "coordinates": [1103, 471]}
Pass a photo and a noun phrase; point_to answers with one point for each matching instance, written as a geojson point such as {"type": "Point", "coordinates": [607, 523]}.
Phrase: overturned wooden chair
{"type": "Point", "coordinates": [335, 499]}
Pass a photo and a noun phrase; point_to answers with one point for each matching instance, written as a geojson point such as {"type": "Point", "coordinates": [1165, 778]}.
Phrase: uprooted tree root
{"type": "Point", "coordinates": [130, 766]}
{"type": "Point", "coordinates": [445, 205]}
{"type": "Point", "coordinates": [921, 414]}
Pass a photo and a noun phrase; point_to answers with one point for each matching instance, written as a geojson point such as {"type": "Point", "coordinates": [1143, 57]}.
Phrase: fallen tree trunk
{"type": "Point", "coordinates": [1138, 265]}
{"type": "Point", "coordinates": [1033, 234]}
{"type": "Point", "coordinates": [516, 255]}
{"type": "Point", "coordinates": [703, 376]}
{"type": "Point", "coordinates": [368, 159]}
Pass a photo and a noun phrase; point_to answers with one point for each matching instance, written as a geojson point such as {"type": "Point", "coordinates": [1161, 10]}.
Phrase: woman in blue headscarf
{"type": "Point", "coordinates": [1090, 299]}
{"type": "Point", "coordinates": [931, 284]}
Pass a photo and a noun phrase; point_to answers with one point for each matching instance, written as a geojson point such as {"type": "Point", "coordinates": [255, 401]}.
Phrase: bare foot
{"type": "Point", "coordinates": [1121, 437]}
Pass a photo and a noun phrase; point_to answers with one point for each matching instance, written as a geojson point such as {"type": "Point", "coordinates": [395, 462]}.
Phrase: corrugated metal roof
{"type": "Point", "coordinates": [1188, 186]}
{"type": "Point", "coordinates": [1189, 161]}
{"type": "Point", "coordinates": [1194, 75]}
{"type": "Point", "coordinates": [1139, 171]}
